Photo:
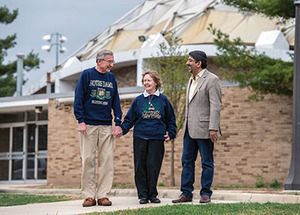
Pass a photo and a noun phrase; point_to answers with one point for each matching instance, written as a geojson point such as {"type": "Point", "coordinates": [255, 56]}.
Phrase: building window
{"type": "Point", "coordinates": [4, 140]}
{"type": "Point", "coordinates": [23, 146]}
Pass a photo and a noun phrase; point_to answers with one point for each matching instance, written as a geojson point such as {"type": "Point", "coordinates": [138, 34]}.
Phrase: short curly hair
{"type": "Point", "coordinates": [155, 76]}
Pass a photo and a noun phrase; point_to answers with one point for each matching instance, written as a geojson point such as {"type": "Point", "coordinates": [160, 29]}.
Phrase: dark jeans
{"type": "Point", "coordinates": [189, 156]}
{"type": "Point", "coordinates": [148, 156]}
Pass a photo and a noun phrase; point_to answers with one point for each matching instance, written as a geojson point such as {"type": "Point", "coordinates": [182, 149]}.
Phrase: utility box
{"type": "Point", "coordinates": [272, 40]}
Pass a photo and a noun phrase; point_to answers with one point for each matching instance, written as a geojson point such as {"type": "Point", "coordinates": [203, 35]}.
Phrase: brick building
{"type": "Point", "coordinates": [257, 136]}
{"type": "Point", "coordinates": [256, 143]}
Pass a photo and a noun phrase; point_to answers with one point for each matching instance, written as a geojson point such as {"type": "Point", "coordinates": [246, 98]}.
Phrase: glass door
{"type": "Point", "coordinates": [23, 149]}
{"type": "Point", "coordinates": [42, 151]}
{"type": "Point", "coordinates": [4, 153]}
{"type": "Point", "coordinates": [17, 153]}
{"type": "Point", "coordinates": [36, 156]}
{"type": "Point", "coordinates": [11, 152]}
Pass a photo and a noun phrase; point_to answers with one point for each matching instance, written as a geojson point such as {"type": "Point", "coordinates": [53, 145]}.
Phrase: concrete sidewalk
{"type": "Point", "coordinates": [127, 199]}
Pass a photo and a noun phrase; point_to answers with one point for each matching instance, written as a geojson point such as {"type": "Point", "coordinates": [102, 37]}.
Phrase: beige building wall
{"type": "Point", "coordinates": [256, 142]}
{"type": "Point", "coordinates": [257, 139]}
{"type": "Point", "coordinates": [64, 162]}
{"type": "Point", "coordinates": [126, 76]}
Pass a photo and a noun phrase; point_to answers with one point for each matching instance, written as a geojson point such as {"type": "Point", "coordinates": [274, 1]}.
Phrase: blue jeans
{"type": "Point", "coordinates": [189, 156]}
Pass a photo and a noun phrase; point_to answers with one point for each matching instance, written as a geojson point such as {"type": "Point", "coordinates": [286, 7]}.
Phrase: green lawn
{"type": "Point", "coordinates": [188, 209]}
{"type": "Point", "coordinates": [211, 209]}
{"type": "Point", "coordinates": [23, 199]}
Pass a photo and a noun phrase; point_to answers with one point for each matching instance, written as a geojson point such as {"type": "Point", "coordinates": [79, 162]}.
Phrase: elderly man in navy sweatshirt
{"type": "Point", "coordinates": [96, 94]}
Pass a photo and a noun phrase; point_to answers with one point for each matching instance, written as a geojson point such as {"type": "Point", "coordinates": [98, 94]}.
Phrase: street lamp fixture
{"type": "Point", "coordinates": [293, 180]}
{"type": "Point", "coordinates": [55, 39]}
{"type": "Point", "coordinates": [46, 47]}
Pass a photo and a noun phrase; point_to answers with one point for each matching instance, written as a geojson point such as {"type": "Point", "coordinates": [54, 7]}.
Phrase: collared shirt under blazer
{"type": "Point", "coordinates": [203, 110]}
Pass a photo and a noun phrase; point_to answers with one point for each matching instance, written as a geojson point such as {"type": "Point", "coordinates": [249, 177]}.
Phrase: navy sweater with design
{"type": "Point", "coordinates": [95, 95]}
{"type": "Point", "coordinates": [151, 120]}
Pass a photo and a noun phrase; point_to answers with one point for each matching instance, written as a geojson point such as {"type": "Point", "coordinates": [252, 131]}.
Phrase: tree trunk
{"type": "Point", "coordinates": [172, 163]}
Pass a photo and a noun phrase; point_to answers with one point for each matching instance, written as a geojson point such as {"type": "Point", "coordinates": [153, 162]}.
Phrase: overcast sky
{"type": "Point", "coordinates": [78, 20]}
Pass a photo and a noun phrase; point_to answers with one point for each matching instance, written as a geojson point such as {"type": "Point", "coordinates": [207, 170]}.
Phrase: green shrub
{"type": "Point", "coordinates": [275, 184]}
{"type": "Point", "coordinates": [125, 186]}
{"type": "Point", "coordinates": [259, 181]}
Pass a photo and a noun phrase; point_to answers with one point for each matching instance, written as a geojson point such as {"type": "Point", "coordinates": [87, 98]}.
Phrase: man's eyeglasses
{"type": "Point", "coordinates": [109, 61]}
{"type": "Point", "coordinates": [191, 60]}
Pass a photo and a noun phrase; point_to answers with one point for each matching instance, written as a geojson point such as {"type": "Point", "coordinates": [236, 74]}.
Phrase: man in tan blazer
{"type": "Point", "coordinates": [201, 127]}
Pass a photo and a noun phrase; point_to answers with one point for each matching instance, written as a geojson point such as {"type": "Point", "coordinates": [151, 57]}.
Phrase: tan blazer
{"type": "Point", "coordinates": [203, 111]}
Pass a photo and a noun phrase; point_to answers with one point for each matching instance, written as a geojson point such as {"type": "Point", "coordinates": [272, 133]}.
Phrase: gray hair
{"type": "Point", "coordinates": [101, 54]}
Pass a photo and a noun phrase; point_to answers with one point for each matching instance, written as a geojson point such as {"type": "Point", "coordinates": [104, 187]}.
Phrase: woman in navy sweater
{"type": "Point", "coordinates": [154, 122]}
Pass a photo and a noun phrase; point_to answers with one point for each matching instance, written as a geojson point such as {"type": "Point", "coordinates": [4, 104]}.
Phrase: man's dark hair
{"type": "Point", "coordinates": [199, 56]}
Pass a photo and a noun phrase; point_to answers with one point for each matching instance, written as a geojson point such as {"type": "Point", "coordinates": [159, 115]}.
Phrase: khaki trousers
{"type": "Point", "coordinates": [98, 137]}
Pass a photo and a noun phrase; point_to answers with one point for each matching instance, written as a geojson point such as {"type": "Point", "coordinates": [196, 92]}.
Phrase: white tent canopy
{"type": "Point", "coordinates": [187, 19]}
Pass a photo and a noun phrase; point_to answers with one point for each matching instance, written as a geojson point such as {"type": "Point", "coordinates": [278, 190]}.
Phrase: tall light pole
{"type": "Point", "coordinates": [55, 39]}
{"type": "Point", "coordinates": [293, 180]}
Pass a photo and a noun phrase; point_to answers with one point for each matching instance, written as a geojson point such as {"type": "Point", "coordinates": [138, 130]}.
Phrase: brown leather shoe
{"type": "Point", "coordinates": [182, 199]}
{"type": "Point", "coordinates": [89, 202]}
{"type": "Point", "coordinates": [205, 199]}
{"type": "Point", "coordinates": [104, 202]}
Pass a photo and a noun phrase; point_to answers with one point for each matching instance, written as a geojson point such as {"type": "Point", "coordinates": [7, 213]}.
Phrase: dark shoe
{"type": "Point", "coordinates": [143, 201]}
{"type": "Point", "coordinates": [89, 202]}
{"type": "Point", "coordinates": [155, 200]}
{"type": "Point", "coordinates": [104, 202]}
{"type": "Point", "coordinates": [205, 199]}
{"type": "Point", "coordinates": [182, 199]}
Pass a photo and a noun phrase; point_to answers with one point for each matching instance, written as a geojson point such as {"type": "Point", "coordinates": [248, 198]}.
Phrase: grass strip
{"type": "Point", "coordinates": [23, 199]}
{"type": "Point", "coordinates": [214, 209]}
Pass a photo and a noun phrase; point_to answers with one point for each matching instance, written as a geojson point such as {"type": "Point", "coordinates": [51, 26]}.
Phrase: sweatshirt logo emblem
{"type": "Point", "coordinates": [151, 107]}
{"type": "Point", "coordinates": [151, 111]}
{"type": "Point", "coordinates": [93, 93]}
{"type": "Point", "coordinates": [100, 94]}
{"type": "Point", "coordinates": [107, 94]}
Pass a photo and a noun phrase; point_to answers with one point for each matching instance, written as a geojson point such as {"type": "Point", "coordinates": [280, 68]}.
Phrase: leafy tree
{"type": "Point", "coordinates": [270, 8]}
{"type": "Point", "coordinates": [258, 72]}
{"type": "Point", "coordinates": [7, 72]}
{"type": "Point", "coordinates": [242, 64]}
{"type": "Point", "coordinates": [170, 63]}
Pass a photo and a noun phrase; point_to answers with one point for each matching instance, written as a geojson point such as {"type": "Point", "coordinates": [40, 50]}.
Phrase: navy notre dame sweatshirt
{"type": "Point", "coordinates": [95, 95]}
{"type": "Point", "coordinates": [151, 117]}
